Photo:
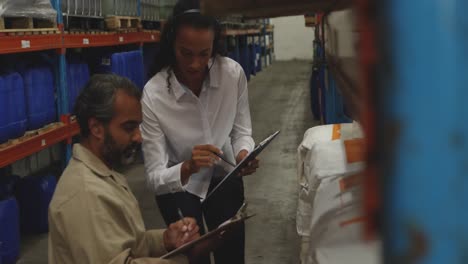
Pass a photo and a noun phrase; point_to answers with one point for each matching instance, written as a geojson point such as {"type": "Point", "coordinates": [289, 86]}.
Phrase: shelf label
{"type": "Point", "coordinates": [43, 143]}
{"type": "Point", "coordinates": [121, 39]}
{"type": "Point", "coordinates": [85, 41]}
{"type": "Point", "coordinates": [25, 44]}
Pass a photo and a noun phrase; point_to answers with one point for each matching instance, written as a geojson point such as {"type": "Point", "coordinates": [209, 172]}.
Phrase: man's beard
{"type": "Point", "coordinates": [115, 156]}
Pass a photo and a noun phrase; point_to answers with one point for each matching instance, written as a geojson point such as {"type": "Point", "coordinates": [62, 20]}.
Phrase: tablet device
{"type": "Point", "coordinates": [252, 155]}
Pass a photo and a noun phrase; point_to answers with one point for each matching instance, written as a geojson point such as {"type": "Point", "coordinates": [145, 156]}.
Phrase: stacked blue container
{"type": "Point", "coordinates": [334, 105]}
{"type": "Point", "coordinates": [77, 77]}
{"type": "Point", "coordinates": [244, 56]}
{"type": "Point", "coordinates": [9, 220]}
{"type": "Point", "coordinates": [314, 92]}
{"type": "Point", "coordinates": [9, 231]}
{"type": "Point", "coordinates": [12, 107]}
{"type": "Point", "coordinates": [128, 64]}
{"type": "Point", "coordinates": [253, 59]}
{"type": "Point", "coordinates": [258, 53]}
{"type": "Point", "coordinates": [34, 195]}
{"type": "Point", "coordinates": [40, 96]}
{"type": "Point", "coordinates": [8, 185]}
{"type": "Point", "coordinates": [135, 70]}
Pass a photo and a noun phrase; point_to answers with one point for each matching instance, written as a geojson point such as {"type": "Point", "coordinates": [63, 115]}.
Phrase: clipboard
{"type": "Point", "coordinates": [252, 155]}
{"type": "Point", "coordinates": [240, 216]}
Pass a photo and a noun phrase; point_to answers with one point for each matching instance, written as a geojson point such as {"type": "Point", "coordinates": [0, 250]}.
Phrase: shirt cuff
{"type": "Point", "coordinates": [155, 240]}
{"type": "Point", "coordinates": [167, 181]}
{"type": "Point", "coordinates": [157, 248]}
{"type": "Point", "coordinates": [243, 145]}
{"type": "Point", "coordinates": [176, 184]}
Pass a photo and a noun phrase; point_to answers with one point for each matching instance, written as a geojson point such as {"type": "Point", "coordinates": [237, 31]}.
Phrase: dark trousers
{"type": "Point", "coordinates": [221, 206]}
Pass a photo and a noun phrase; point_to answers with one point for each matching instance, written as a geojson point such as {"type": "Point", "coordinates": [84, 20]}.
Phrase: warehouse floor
{"type": "Point", "coordinates": [279, 100]}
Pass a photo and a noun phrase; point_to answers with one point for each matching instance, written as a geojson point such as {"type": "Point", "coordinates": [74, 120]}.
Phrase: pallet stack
{"type": "Point", "coordinates": [23, 18]}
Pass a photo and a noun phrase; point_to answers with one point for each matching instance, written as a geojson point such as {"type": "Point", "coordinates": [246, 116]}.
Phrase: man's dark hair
{"type": "Point", "coordinates": [97, 99]}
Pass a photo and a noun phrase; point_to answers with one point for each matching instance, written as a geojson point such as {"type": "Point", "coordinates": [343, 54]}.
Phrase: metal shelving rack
{"type": "Point", "coordinates": [61, 41]}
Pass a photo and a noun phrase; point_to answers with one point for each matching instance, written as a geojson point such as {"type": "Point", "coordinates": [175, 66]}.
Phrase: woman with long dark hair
{"type": "Point", "coordinates": [194, 107]}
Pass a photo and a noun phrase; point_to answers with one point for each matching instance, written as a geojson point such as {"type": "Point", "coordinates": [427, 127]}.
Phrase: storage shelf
{"type": "Point", "coordinates": [240, 32]}
{"type": "Point", "coordinates": [37, 41]}
{"type": "Point", "coordinates": [27, 43]}
{"type": "Point", "coordinates": [151, 36]}
{"type": "Point", "coordinates": [98, 40]}
{"type": "Point", "coordinates": [27, 146]}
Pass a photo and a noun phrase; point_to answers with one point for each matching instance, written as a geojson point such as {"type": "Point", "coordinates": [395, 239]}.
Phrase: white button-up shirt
{"type": "Point", "coordinates": [175, 120]}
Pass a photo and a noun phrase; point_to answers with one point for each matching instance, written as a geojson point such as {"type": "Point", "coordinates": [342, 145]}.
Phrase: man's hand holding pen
{"type": "Point", "coordinates": [181, 232]}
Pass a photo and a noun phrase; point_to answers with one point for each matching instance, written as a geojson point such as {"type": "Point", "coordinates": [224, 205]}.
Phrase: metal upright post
{"type": "Point", "coordinates": [264, 46]}
{"type": "Point", "coordinates": [423, 130]}
{"type": "Point", "coordinates": [61, 76]}
{"type": "Point", "coordinates": [139, 8]}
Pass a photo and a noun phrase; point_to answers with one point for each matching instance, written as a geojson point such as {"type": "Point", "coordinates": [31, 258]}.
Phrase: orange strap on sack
{"type": "Point", "coordinates": [354, 150]}
{"type": "Point", "coordinates": [336, 134]}
{"type": "Point", "coordinates": [360, 219]}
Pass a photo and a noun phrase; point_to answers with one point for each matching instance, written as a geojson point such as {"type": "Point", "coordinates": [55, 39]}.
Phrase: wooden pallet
{"type": "Point", "coordinates": [232, 25]}
{"type": "Point", "coordinates": [122, 22]}
{"type": "Point", "coordinates": [30, 32]}
{"type": "Point", "coordinates": [269, 28]}
{"type": "Point", "coordinates": [83, 32]}
{"type": "Point", "coordinates": [27, 26]}
{"type": "Point", "coordinates": [30, 134]}
{"type": "Point", "coordinates": [310, 21]}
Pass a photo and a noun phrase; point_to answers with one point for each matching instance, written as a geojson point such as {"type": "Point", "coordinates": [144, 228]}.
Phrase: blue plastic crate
{"type": "Point", "coordinates": [314, 93]}
{"type": "Point", "coordinates": [334, 105]}
{"type": "Point", "coordinates": [77, 77]}
{"type": "Point", "coordinates": [8, 186]}
{"type": "Point", "coordinates": [244, 56]}
{"type": "Point", "coordinates": [253, 59]}
{"type": "Point", "coordinates": [13, 119]}
{"type": "Point", "coordinates": [127, 64]}
{"type": "Point", "coordinates": [34, 194]}
{"type": "Point", "coordinates": [258, 54]}
{"type": "Point", "coordinates": [135, 68]}
{"type": "Point", "coordinates": [9, 231]}
{"type": "Point", "coordinates": [39, 86]}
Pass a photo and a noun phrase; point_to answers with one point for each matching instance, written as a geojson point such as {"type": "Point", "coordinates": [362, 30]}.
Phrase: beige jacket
{"type": "Point", "coordinates": [94, 218]}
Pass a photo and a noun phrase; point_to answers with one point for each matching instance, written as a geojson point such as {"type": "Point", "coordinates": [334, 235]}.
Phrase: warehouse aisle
{"type": "Point", "coordinates": [279, 100]}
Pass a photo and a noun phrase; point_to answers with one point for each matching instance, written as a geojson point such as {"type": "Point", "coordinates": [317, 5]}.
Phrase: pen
{"type": "Point", "coordinates": [224, 159]}
{"type": "Point", "coordinates": [181, 216]}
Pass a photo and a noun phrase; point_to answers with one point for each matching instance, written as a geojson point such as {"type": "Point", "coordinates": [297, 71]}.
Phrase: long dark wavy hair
{"type": "Point", "coordinates": [185, 13]}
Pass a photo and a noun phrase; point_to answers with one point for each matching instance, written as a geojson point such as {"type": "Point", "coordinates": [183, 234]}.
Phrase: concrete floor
{"type": "Point", "coordinates": [279, 100]}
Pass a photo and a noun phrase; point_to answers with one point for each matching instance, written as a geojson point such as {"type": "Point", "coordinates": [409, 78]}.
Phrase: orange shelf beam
{"type": "Point", "coordinates": [151, 36]}
{"type": "Point", "coordinates": [27, 146]}
{"type": "Point", "coordinates": [26, 43]}
{"type": "Point", "coordinates": [100, 40]}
